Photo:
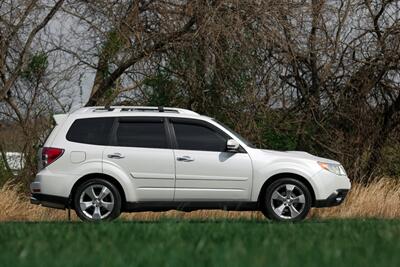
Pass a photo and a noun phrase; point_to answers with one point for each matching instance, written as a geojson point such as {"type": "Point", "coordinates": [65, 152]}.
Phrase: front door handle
{"type": "Point", "coordinates": [115, 156]}
{"type": "Point", "coordinates": [184, 159]}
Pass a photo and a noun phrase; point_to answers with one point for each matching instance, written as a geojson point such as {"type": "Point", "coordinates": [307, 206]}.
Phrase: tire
{"type": "Point", "coordinates": [286, 200]}
{"type": "Point", "coordinates": [97, 200]}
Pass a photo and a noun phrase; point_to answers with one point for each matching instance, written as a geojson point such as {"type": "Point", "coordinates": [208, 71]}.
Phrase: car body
{"type": "Point", "coordinates": [156, 159]}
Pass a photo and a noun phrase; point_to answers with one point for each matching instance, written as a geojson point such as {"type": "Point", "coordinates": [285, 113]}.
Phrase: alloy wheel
{"type": "Point", "coordinates": [96, 201]}
{"type": "Point", "coordinates": [288, 201]}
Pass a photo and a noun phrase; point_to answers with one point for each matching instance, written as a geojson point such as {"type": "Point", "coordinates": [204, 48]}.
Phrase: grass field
{"type": "Point", "coordinates": [31, 235]}
{"type": "Point", "coordinates": [202, 243]}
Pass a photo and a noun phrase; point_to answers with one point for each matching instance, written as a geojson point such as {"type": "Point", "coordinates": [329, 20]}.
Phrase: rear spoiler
{"type": "Point", "coordinates": [59, 118]}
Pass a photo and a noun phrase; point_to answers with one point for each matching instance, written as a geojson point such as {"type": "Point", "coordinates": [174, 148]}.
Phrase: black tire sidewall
{"type": "Point", "coordinates": [266, 201]}
{"type": "Point", "coordinates": [117, 199]}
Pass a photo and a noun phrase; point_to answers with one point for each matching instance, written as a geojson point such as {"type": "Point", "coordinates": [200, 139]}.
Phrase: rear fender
{"type": "Point", "coordinates": [123, 178]}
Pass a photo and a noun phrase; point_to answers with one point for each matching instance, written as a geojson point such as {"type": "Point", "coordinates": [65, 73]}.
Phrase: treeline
{"type": "Point", "coordinates": [319, 76]}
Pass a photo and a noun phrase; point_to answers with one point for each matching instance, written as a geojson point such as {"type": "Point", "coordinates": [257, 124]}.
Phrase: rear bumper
{"type": "Point", "coordinates": [49, 201]}
{"type": "Point", "coordinates": [334, 199]}
{"type": "Point", "coordinates": [53, 183]}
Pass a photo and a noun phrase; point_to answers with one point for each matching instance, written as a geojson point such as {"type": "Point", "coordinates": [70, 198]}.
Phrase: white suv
{"type": "Point", "coordinates": [102, 161]}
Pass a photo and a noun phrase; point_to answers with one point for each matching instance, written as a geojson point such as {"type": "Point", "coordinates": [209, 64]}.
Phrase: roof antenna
{"type": "Point", "coordinates": [107, 107]}
{"type": "Point", "coordinates": [160, 109]}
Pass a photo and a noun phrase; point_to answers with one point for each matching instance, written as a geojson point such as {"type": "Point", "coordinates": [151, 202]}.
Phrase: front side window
{"type": "Point", "coordinates": [95, 131]}
{"type": "Point", "coordinates": [192, 136]}
{"type": "Point", "coordinates": [150, 134]}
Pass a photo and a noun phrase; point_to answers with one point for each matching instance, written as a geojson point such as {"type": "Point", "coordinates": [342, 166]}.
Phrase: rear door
{"type": "Point", "coordinates": [141, 148]}
{"type": "Point", "coordinates": [205, 171]}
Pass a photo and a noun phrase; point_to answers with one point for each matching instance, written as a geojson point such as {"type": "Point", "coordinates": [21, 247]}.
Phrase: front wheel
{"type": "Point", "coordinates": [286, 200]}
{"type": "Point", "coordinates": [97, 200]}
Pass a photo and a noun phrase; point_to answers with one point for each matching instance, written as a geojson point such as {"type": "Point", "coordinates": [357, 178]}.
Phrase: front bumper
{"type": "Point", "coordinates": [49, 201]}
{"type": "Point", "coordinates": [334, 199]}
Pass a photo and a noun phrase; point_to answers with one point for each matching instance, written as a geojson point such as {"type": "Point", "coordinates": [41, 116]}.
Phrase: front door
{"type": "Point", "coordinates": [141, 149]}
{"type": "Point", "coordinates": [205, 171]}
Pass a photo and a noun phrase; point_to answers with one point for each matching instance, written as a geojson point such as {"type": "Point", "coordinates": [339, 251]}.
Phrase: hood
{"type": "Point", "coordinates": [297, 155]}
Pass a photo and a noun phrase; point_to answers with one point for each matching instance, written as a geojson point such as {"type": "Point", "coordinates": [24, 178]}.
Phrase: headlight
{"type": "Point", "coordinates": [332, 167]}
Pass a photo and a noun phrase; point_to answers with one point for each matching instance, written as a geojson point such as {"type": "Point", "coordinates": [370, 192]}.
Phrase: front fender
{"type": "Point", "coordinates": [265, 173]}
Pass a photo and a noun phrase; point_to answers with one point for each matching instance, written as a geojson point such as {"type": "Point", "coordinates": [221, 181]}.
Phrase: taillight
{"type": "Point", "coordinates": [51, 154]}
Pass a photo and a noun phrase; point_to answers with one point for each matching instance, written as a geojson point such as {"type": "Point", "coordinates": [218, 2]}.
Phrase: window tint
{"type": "Point", "coordinates": [197, 137]}
{"type": "Point", "coordinates": [94, 131]}
{"type": "Point", "coordinates": [141, 134]}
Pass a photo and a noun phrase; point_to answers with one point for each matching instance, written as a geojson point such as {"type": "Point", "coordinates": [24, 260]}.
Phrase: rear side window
{"type": "Point", "coordinates": [95, 131]}
{"type": "Point", "coordinates": [198, 137]}
{"type": "Point", "coordinates": [150, 134]}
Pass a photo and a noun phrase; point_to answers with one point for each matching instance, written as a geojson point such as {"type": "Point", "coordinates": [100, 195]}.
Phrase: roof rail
{"type": "Point", "coordinates": [150, 109]}
{"type": "Point", "coordinates": [140, 109]}
{"type": "Point", "coordinates": [108, 107]}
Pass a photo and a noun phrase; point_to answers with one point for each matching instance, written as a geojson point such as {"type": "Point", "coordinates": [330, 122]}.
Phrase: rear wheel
{"type": "Point", "coordinates": [97, 200]}
{"type": "Point", "coordinates": [286, 200]}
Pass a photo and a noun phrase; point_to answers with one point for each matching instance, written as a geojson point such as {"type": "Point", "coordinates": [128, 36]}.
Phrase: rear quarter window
{"type": "Point", "coordinates": [95, 131]}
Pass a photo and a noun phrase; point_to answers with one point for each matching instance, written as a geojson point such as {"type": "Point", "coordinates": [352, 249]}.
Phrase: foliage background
{"type": "Point", "coordinates": [318, 76]}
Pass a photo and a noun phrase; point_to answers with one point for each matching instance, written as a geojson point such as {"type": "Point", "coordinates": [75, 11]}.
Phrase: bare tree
{"type": "Point", "coordinates": [29, 91]}
{"type": "Point", "coordinates": [20, 23]}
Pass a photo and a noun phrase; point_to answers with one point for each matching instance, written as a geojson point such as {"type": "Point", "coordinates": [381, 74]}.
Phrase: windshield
{"type": "Point", "coordinates": [238, 136]}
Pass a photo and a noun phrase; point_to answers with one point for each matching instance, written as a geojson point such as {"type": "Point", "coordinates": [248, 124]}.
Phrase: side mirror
{"type": "Point", "coordinates": [232, 145]}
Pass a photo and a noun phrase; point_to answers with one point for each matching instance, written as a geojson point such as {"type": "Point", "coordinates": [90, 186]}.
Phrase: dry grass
{"type": "Point", "coordinates": [378, 200]}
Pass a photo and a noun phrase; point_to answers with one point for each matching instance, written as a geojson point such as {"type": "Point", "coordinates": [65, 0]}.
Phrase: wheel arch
{"type": "Point", "coordinates": [106, 177]}
{"type": "Point", "coordinates": [278, 176]}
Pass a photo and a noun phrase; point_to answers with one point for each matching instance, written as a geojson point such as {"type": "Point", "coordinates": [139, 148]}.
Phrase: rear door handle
{"type": "Point", "coordinates": [185, 159]}
{"type": "Point", "coordinates": [115, 156]}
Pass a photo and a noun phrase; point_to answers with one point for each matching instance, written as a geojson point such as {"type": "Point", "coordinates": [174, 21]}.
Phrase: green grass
{"type": "Point", "coordinates": [202, 243]}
